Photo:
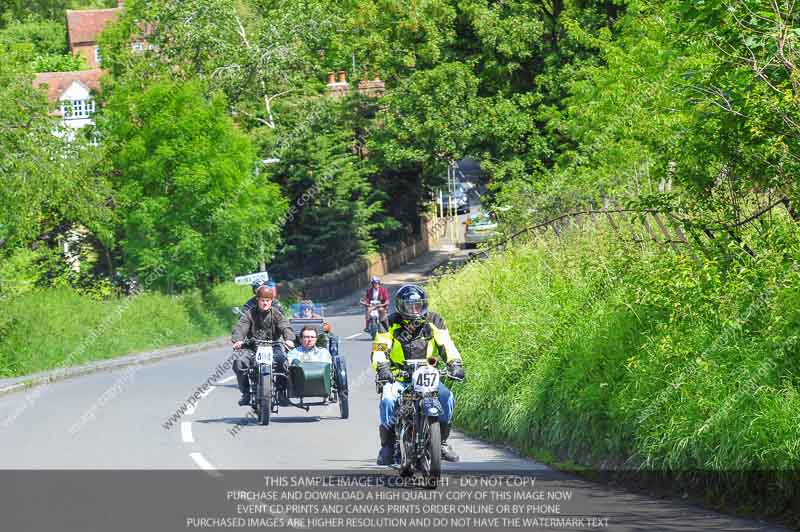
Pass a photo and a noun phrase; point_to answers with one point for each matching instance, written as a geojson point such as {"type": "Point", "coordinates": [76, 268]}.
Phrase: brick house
{"type": "Point", "coordinates": [83, 28]}
{"type": "Point", "coordinates": [74, 91]}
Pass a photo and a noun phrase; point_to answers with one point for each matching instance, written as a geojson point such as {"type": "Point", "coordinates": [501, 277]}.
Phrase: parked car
{"type": "Point", "coordinates": [480, 228]}
{"type": "Point", "coordinates": [459, 199]}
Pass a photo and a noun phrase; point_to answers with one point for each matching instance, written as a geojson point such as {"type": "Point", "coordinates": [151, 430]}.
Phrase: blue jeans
{"type": "Point", "coordinates": [391, 395]}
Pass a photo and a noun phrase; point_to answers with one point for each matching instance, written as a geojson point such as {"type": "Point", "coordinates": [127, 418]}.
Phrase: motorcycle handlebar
{"type": "Point", "coordinates": [368, 304]}
{"type": "Point", "coordinates": [251, 342]}
{"type": "Point", "coordinates": [405, 374]}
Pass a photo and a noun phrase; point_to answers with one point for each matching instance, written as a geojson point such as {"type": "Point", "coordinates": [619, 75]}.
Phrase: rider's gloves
{"type": "Point", "coordinates": [384, 373]}
{"type": "Point", "coordinates": [456, 370]}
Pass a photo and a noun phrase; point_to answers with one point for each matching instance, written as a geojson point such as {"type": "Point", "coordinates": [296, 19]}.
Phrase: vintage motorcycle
{"type": "Point", "coordinates": [276, 385]}
{"type": "Point", "coordinates": [294, 385]}
{"type": "Point", "coordinates": [375, 324]}
{"type": "Point", "coordinates": [264, 375]}
{"type": "Point", "coordinates": [418, 442]}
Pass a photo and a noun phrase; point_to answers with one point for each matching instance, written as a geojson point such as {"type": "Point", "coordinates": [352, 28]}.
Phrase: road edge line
{"type": "Point", "coordinates": [147, 357]}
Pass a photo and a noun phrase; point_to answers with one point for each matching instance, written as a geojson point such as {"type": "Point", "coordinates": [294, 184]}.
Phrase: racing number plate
{"type": "Point", "coordinates": [263, 355]}
{"type": "Point", "coordinates": [426, 379]}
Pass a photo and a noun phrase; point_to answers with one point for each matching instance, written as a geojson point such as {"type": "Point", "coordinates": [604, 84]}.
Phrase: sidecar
{"type": "Point", "coordinates": [320, 381]}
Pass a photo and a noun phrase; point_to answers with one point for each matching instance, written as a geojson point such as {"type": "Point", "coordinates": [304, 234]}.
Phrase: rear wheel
{"type": "Point", "coordinates": [431, 461]}
{"type": "Point", "coordinates": [264, 398]}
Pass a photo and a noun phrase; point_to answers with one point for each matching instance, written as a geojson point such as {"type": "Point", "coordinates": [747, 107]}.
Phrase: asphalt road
{"type": "Point", "coordinates": [116, 421]}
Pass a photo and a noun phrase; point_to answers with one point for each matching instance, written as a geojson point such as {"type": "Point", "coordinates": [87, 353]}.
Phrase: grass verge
{"type": "Point", "coordinates": [43, 330]}
{"type": "Point", "coordinates": [639, 360]}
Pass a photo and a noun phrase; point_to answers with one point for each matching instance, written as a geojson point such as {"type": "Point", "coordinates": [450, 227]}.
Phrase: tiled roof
{"type": "Point", "coordinates": [58, 82]}
{"type": "Point", "coordinates": [85, 25]}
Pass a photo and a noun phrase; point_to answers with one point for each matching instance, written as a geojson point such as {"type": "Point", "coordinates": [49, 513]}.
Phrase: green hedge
{"type": "Point", "coordinates": [613, 356]}
{"type": "Point", "coordinates": [42, 330]}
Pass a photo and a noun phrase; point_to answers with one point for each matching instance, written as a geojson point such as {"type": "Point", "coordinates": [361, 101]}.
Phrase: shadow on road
{"type": "Point", "coordinates": [226, 420]}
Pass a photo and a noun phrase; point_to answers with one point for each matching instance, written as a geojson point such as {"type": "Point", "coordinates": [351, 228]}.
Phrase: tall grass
{"type": "Point", "coordinates": [615, 356]}
{"type": "Point", "coordinates": [57, 327]}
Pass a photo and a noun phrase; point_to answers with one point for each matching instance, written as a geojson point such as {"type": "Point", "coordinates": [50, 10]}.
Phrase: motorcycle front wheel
{"type": "Point", "coordinates": [372, 327]}
{"type": "Point", "coordinates": [264, 398]}
{"type": "Point", "coordinates": [430, 463]}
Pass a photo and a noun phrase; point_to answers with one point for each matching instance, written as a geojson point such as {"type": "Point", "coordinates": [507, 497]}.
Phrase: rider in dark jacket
{"type": "Point", "coordinates": [414, 333]}
{"type": "Point", "coordinates": [264, 322]}
{"type": "Point", "coordinates": [251, 303]}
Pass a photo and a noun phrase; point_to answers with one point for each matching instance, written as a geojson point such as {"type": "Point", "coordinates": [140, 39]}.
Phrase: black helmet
{"type": "Point", "coordinates": [411, 302]}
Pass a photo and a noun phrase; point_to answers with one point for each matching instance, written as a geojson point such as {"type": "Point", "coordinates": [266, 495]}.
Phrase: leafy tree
{"type": "Point", "coordinates": [38, 45]}
{"type": "Point", "coordinates": [40, 36]}
{"type": "Point", "coordinates": [48, 9]}
{"type": "Point", "coordinates": [429, 119]}
{"type": "Point", "coordinates": [334, 210]}
{"type": "Point", "coordinates": [190, 210]}
{"type": "Point", "coordinates": [58, 63]}
{"type": "Point", "coordinates": [396, 38]}
{"type": "Point", "coordinates": [50, 184]}
{"type": "Point", "coordinates": [257, 52]}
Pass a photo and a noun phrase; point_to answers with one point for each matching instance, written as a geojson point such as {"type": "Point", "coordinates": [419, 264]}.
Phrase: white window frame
{"type": "Point", "coordinates": [137, 46]}
{"type": "Point", "coordinates": [77, 109]}
{"type": "Point", "coordinates": [97, 58]}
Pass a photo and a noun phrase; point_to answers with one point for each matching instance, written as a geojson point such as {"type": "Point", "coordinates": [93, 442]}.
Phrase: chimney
{"type": "Point", "coordinates": [372, 89]}
{"type": "Point", "coordinates": [338, 88]}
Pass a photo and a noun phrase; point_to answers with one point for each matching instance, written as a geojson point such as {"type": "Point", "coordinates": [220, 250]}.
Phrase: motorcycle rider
{"type": "Point", "coordinates": [413, 333]}
{"type": "Point", "coordinates": [251, 303]}
{"type": "Point", "coordinates": [375, 293]}
{"type": "Point", "coordinates": [264, 322]}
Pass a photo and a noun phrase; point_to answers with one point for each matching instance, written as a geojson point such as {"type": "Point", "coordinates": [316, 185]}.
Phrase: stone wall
{"type": "Point", "coordinates": [356, 276]}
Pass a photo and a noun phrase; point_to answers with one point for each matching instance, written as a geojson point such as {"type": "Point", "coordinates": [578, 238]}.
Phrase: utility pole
{"type": "Point", "coordinates": [263, 263]}
{"type": "Point", "coordinates": [451, 187]}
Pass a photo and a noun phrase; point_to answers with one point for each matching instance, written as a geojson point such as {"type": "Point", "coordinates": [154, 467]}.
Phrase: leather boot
{"type": "Point", "coordinates": [448, 454]}
{"type": "Point", "coordinates": [386, 453]}
{"type": "Point", "coordinates": [244, 387]}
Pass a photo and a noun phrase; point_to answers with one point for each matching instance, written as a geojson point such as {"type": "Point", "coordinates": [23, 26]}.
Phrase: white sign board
{"type": "Point", "coordinates": [248, 279]}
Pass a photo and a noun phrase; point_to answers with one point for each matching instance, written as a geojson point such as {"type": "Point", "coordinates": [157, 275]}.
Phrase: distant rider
{"type": "Point", "coordinates": [414, 333]}
{"type": "Point", "coordinates": [264, 322]}
{"type": "Point", "coordinates": [375, 293]}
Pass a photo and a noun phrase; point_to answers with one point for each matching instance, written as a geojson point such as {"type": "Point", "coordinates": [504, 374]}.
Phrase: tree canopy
{"type": "Point", "coordinates": [190, 209]}
{"type": "Point", "coordinates": [564, 103]}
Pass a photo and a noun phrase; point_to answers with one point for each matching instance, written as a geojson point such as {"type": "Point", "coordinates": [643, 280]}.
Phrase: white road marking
{"type": "Point", "coordinates": [186, 432]}
{"type": "Point", "coordinates": [354, 335]}
{"type": "Point", "coordinates": [227, 379]}
{"type": "Point", "coordinates": [204, 465]}
{"type": "Point", "coordinates": [191, 408]}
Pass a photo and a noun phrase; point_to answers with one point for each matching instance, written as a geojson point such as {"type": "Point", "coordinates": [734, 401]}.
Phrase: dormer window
{"type": "Point", "coordinates": [74, 109]}
{"type": "Point", "coordinates": [97, 55]}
